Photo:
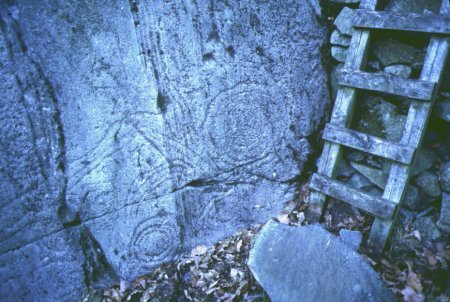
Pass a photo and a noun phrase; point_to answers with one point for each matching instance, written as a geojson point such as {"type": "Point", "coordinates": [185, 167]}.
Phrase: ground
{"type": "Point", "coordinates": [412, 269]}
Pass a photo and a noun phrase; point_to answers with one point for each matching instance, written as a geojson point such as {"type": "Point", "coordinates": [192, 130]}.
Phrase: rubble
{"type": "Point", "coordinates": [339, 39]}
{"type": "Point", "coordinates": [344, 20]}
{"type": "Point", "coordinates": [379, 117]}
{"type": "Point", "coordinates": [429, 183]}
{"type": "Point", "coordinates": [442, 110]}
{"type": "Point", "coordinates": [400, 70]}
{"type": "Point", "coordinates": [375, 176]}
{"type": "Point", "coordinates": [411, 200]}
{"type": "Point", "coordinates": [339, 53]}
{"type": "Point", "coordinates": [427, 228]}
{"type": "Point", "coordinates": [444, 219]}
{"type": "Point", "coordinates": [426, 158]}
{"type": "Point", "coordinates": [445, 177]}
{"type": "Point", "coordinates": [358, 181]}
{"type": "Point", "coordinates": [390, 51]}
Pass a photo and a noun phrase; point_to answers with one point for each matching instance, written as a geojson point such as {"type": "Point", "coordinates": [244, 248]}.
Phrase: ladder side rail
{"type": "Point", "coordinates": [413, 133]}
{"type": "Point", "coordinates": [342, 111]}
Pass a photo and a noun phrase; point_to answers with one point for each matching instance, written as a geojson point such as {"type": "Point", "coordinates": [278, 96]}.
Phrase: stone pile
{"type": "Point", "coordinates": [428, 193]}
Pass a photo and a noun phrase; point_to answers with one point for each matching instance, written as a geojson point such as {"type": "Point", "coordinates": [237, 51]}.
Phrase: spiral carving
{"type": "Point", "coordinates": [154, 240]}
{"type": "Point", "coordinates": [240, 125]}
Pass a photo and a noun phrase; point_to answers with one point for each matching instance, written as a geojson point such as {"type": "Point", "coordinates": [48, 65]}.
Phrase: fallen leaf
{"type": "Point", "coordinates": [239, 246]}
{"type": "Point", "coordinates": [211, 290]}
{"type": "Point", "coordinates": [124, 285]}
{"type": "Point", "coordinates": [199, 250]}
{"type": "Point", "coordinates": [416, 234]}
{"type": "Point", "coordinates": [200, 283]}
{"type": "Point", "coordinates": [234, 273]}
{"type": "Point", "coordinates": [213, 284]}
{"type": "Point", "coordinates": [432, 259]}
{"type": "Point", "coordinates": [300, 217]}
{"type": "Point", "coordinates": [413, 280]}
{"type": "Point", "coordinates": [243, 288]}
{"type": "Point", "coordinates": [409, 295]}
{"type": "Point", "coordinates": [283, 218]}
{"type": "Point", "coordinates": [186, 294]}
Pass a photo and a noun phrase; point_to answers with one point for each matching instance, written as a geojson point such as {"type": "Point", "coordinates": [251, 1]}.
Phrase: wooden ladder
{"type": "Point", "coordinates": [421, 92]}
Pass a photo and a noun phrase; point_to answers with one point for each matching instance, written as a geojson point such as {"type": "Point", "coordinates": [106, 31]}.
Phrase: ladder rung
{"type": "Point", "coordinates": [376, 206]}
{"type": "Point", "coordinates": [368, 143]}
{"type": "Point", "coordinates": [382, 82]}
{"type": "Point", "coordinates": [428, 23]}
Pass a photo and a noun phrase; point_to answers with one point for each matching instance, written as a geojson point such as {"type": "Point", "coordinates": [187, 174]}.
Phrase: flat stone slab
{"type": "Point", "coordinates": [352, 239]}
{"type": "Point", "coordinates": [343, 21]}
{"type": "Point", "coordinates": [310, 264]}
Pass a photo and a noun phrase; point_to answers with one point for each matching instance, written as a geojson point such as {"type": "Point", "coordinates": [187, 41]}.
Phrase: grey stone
{"type": "Point", "coordinates": [444, 219]}
{"type": "Point", "coordinates": [411, 199]}
{"type": "Point", "coordinates": [425, 160]}
{"type": "Point", "coordinates": [154, 129]}
{"type": "Point", "coordinates": [386, 166]}
{"type": "Point", "coordinates": [445, 177]}
{"type": "Point", "coordinates": [339, 53]}
{"type": "Point", "coordinates": [442, 110]}
{"type": "Point", "coordinates": [333, 79]}
{"type": "Point", "coordinates": [407, 214]}
{"type": "Point", "coordinates": [359, 182]}
{"type": "Point", "coordinates": [425, 212]}
{"type": "Point", "coordinates": [339, 39]}
{"type": "Point", "coordinates": [403, 71]}
{"type": "Point", "coordinates": [391, 51]}
{"type": "Point", "coordinates": [376, 192]}
{"type": "Point", "coordinates": [344, 169]}
{"type": "Point", "coordinates": [375, 176]}
{"type": "Point", "coordinates": [375, 64]}
{"type": "Point", "coordinates": [429, 183]}
{"type": "Point", "coordinates": [355, 156]}
{"type": "Point", "coordinates": [344, 21]}
{"type": "Point", "coordinates": [346, 1]}
{"type": "Point", "coordinates": [352, 239]}
{"type": "Point", "coordinates": [427, 229]}
{"type": "Point", "coordinates": [414, 6]}
{"type": "Point", "coordinates": [380, 118]}
{"type": "Point", "coordinates": [425, 200]}
{"type": "Point", "coordinates": [310, 264]}
{"type": "Point", "coordinates": [375, 162]}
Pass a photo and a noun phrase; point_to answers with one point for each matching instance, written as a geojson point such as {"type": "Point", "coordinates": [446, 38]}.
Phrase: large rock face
{"type": "Point", "coordinates": [133, 131]}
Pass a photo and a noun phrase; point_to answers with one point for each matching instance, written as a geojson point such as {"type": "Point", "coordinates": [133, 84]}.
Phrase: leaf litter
{"type": "Point", "coordinates": [215, 273]}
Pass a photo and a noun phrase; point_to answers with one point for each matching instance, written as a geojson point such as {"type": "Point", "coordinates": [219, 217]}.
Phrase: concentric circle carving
{"type": "Point", "coordinates": [240, 125]}
{"type": "Point", "coordinates": [154, 240]}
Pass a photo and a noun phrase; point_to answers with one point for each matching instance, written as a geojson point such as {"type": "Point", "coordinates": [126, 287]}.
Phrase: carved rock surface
{"type": "Point", "coordinates": [133, 131]}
